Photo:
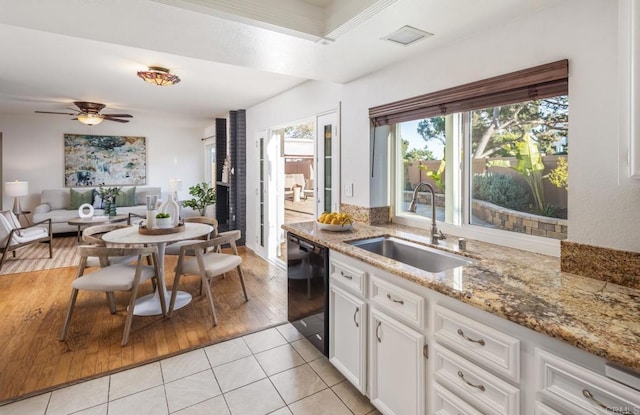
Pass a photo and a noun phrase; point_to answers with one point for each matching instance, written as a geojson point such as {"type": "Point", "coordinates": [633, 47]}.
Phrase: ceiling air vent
{"type": "Point", "coordinates": [407, 35]}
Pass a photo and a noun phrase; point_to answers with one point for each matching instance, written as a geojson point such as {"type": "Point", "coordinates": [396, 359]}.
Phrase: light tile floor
{"type": "Point", "coordinates": [274, 371]}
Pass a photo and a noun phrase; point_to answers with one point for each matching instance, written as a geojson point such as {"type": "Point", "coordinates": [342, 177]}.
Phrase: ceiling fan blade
{"type": "Point", "coordinates": [114, 119]}
{"type": "Point", "coordinates": [51, 112]}
{"type": "Point", "coordinates": [118, 115]}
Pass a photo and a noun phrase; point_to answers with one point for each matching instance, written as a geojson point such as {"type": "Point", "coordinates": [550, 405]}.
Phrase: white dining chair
{"type": "Point", "coordinates": [93, 236]}
{"type": "Point", "coordinates": [174, 248]}
{"type": "Point", "coordinates": [117, 277]}
{"type": "Point", "coordinates": [208, 265]}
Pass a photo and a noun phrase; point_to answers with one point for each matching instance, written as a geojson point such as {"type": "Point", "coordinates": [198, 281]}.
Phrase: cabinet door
{"type": "Point", "coordinates": [397, 366]}
{"type": "Point", "coordinates": [348, 336]}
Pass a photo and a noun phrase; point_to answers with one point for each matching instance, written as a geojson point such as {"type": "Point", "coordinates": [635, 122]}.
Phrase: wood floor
{"type": "Point", "coordinates": [34, 304]}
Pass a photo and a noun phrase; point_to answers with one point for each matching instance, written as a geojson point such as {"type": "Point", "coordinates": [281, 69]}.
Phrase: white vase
{"type": "Point", "coordinates": [151, 219]}
{"type": "Point", "coordinates": [171, 207]}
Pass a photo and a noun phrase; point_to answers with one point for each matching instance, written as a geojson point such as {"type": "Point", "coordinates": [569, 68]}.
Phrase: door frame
{"type": "Point", "coordinates": [274, 180]}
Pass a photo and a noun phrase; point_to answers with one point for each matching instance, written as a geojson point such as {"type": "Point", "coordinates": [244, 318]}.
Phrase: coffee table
{"type": "Point", "coordinates": [85, 222]}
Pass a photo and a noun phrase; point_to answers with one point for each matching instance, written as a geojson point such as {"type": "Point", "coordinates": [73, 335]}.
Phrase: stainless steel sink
{"type": "Point", "coordinates": [416, 255]}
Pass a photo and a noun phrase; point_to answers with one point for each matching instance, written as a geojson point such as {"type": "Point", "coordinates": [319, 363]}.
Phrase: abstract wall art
{"type": "Point", "coordinates": [95, 160]}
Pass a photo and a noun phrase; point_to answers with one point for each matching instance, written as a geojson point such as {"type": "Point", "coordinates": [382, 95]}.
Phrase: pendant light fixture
{"type": "Point", "coordinates": [90, 119]}
{"type": "Point", "coordinates": [158, 75]}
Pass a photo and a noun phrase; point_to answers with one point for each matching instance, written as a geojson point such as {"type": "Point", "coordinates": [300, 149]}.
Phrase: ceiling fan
{"type": "Point", "coordinates": [89, 113]}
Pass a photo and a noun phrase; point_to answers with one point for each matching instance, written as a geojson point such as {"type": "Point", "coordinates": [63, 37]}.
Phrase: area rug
{"type": "Point", "coordinates": [36, 257]}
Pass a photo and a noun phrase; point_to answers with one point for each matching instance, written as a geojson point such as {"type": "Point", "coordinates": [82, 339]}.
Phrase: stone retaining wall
{"type": "Point", "coordinates": [506, 219]}
{"type": "Point", "coordinates": [515, 221]}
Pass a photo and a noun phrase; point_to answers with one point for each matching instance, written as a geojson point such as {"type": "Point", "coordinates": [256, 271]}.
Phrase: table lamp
{"type": "Point", "coordinates": [16, 189]}
{"type": "Point", "coordinates": [174, 186]}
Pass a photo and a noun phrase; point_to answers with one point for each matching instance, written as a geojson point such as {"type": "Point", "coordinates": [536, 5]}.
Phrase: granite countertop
{"type": "Point", "coordinates": [526, 288]}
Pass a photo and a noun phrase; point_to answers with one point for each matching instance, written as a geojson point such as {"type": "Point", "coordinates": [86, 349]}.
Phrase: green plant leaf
{"type": "Point", "coordinates": [203, 196]}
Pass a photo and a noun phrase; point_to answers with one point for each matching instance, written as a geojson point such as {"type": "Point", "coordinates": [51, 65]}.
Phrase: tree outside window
{"type": "Point", "coordinates": [517, 160]}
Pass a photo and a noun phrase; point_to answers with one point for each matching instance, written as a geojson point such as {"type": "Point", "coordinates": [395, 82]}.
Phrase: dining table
{"type": "Point", "coordinates": [149, 305]}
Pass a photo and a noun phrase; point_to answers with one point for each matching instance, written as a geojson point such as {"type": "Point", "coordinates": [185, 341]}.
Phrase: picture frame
{"type": "Point", "coordinates": [104, 160]}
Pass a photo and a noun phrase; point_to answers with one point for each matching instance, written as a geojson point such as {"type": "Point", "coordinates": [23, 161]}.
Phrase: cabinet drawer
{"type": "Point", "coordinates": [446, 403]}
{"type": "Point", "coordinates": [398, 301]}
{"type": "Point", "coordinates": [348, 277]}
{"type": "Point", "coordinates": [484, 345]}
{"type": "Point", "coordinates": [480, 388]}
{"type": "Point", "coordinates": [580, 391]}
{"type": "Point", "coordinates": [542, 409]}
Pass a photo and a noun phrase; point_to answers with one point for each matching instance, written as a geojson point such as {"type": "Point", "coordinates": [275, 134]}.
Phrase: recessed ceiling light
{"type": "Point", "coordinates": [407, 35]}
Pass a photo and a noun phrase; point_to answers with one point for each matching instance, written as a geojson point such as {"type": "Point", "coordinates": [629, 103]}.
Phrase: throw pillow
{"type": "Point", "coordinates": [126, 197]}
{"type": "Point", "coordinates": [79, 198]}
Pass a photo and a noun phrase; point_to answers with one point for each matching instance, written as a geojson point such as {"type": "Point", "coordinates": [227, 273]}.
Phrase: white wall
{"type": "Point", "coordinates": [601, 212]}
{"type": "Point", "coordinates": [33, 151]}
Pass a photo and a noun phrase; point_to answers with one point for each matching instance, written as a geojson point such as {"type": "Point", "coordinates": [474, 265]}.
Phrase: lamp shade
{"type": "Point", "coordinates": [16, 188]}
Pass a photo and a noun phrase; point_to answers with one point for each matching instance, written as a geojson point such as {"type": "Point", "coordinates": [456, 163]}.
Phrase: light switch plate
{"type": "Point", "coordinates": [348, 190]}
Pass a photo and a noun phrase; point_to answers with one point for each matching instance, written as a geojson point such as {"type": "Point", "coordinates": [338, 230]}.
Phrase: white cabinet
{"type": "Point", "coordinates": [479, 363]}
{"type": "Point", "coordinates": [378, 341]}
{"type": "Point", "coordinates": [573, 389]}
{"type": "Point", "coordinates": [478, 342]}
{"type": "Point", "coordinates": [398, 302]}
{"type": "Point", "coordinates": [397, 366]}
{"type": "Point", "coordinates": [347, 336]}
{"type": "Point", "coordinates": [542, 409]}
{"type": "Point", "coordinates": [348, 276]}
{"type": "Point", "coordinates": [480, 388]}
{"type": "Point", "coordinates": [446, 403]}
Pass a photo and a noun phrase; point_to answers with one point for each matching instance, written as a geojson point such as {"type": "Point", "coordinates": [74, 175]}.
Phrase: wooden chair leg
{"type": "Point", "coordinates": [163, 296]}
{"type": "Point", "coordinates": [209, 294]}
{"type": "Point", "coordinates": [111, 299]}
{"type": "Point", "coordinates": [72, 303]}
{"type": "Point", "coordinates": [127, 323]}
{"type": "Point", "coordinates": [172, 302]}
{"type": "Point", "coordinates": [241, 275]}
{"type": "Point", "coordinates": [4, 253]}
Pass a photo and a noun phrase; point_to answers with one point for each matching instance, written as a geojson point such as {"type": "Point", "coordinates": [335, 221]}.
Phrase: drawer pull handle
{"type": "Point", "coordinates": [461, 375]}
{"type": "Point", "coordinates": [394, 300]}
{"type": "Point", "coordinates": [589, 396]}
{"type": "Point", "coordinates": [378, 332]}
{"type": "Point", "coordinates": [480, 342]}
{"type": "Point", "coordinates": [349, 277]}
{"type": "Point", "coordinates": [354, 317]}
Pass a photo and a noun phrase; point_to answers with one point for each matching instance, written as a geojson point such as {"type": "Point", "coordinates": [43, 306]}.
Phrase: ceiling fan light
{"type": "Point", "coordinates": [158, 76]}
{"type": "Point", "coordinates": [90, 119]}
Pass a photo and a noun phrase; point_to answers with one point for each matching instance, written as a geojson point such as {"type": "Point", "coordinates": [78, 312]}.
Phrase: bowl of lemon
{"type": "Point", "coordinates": [335, 222]}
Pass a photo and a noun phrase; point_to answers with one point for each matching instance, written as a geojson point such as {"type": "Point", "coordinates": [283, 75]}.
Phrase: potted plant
{"type": "Point", "coordinates": [108, 195]}
{"type": "Point", "coordinates": [163, 221]}
{"type": "Point", "coordinates": [203, 196]}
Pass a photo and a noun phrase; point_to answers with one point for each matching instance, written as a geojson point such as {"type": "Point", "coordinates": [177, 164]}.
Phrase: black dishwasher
{"type": "Point", "coordinates": [308, 290]}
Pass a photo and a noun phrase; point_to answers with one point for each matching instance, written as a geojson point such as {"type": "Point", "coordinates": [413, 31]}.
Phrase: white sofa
{"type": "Point", "coordinates": [55, 205]}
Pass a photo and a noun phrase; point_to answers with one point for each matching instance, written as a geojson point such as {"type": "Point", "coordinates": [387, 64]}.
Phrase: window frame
{"type": "Point", "coordinates": [459, 171]}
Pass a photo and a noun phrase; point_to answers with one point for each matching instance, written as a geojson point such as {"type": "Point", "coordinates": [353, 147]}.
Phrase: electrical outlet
{"type": "Point", "coordinates": [348, 190]}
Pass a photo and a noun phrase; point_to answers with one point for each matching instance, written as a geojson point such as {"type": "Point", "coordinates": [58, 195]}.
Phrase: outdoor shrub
{"type": "Point", "coordinates": [501, 190]}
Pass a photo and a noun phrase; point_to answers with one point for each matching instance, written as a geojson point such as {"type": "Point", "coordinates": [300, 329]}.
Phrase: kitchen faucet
{"type": "Point", "coordinates": [435, 234]}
